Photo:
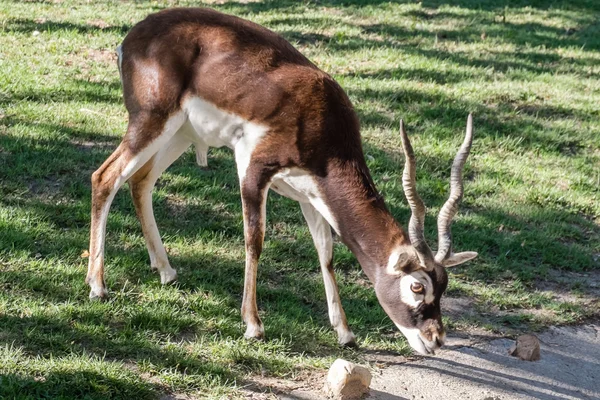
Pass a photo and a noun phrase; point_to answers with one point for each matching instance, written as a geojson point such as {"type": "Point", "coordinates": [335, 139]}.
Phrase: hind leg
{"type": "Point", "coordinates": [146, 134]}
{"type": "Point", "coordinates": [141, 185]}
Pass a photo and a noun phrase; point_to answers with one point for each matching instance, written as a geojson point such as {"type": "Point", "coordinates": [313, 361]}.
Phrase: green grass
{"type": "Point", "coordinates": [530, 73]}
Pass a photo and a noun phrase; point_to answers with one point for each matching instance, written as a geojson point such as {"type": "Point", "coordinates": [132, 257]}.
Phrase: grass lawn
{"type": "Point", "coordinates": [528, 70]}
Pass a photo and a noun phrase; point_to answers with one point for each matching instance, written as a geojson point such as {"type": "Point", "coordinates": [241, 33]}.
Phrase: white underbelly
{"type": "Point", "coordinates": [209, 126]}
{"type": "Point", "coordinates": [213, 126]}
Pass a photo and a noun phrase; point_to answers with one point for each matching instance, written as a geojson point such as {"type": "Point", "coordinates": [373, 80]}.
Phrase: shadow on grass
{"type": "Point", "coordinates": [186, 181]}
{"type": "Point", "coordinates": [84, 384]}
{"type": "Point", "coordinates": [582, 34]}
{"type": "Point", "coordinates": [524, 58]}
{"type": "Point", "coordinates": [43, 163]}
{"type": "Point", "coordinates": [21, 25]}
{"type": "Point", "coordinates": [47, 180]}
{"type": "Point", "coordinates": [491, 5]}
{"type": "Point", "coordinates": [486, 5]}
{"type": "Point", "coordinates": [76, 91]}
{"type": "Point", "coordinates": [448, 113]}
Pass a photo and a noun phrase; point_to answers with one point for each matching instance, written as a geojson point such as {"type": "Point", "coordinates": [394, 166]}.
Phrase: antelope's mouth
{"type": "Point", "coordinates": [419, 343]}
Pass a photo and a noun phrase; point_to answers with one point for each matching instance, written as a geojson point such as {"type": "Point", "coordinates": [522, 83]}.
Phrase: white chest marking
{"type": "Point", "coordinates": [299, 185]}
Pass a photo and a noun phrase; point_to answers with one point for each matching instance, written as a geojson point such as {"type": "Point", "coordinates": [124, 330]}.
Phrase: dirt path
{"type": "Point", "coordinates": [483, 370]}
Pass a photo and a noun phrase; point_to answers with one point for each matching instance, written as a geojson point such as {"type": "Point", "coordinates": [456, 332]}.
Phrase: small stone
{"type": "Point", "coordinates": [526, 348]}
{"type": "Point", "coordinates": [347, 381]}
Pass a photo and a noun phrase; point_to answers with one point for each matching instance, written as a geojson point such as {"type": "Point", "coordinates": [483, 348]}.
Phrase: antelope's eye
{"type": "Point", "coordinates": [417, 287]}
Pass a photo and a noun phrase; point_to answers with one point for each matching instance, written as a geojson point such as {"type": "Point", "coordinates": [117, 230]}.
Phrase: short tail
{"type": "Point", "coordinates": [120, 61]}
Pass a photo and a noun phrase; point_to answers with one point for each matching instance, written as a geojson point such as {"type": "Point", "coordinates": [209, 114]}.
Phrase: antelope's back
{"type": "Point", "coordinates": [242, 68]}
{"type": "Point", "coordinates": [197, 51]}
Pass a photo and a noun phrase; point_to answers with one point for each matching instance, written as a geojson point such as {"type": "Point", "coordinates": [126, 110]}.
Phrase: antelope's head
{"type": "Point", "coordinates": [412, 286]}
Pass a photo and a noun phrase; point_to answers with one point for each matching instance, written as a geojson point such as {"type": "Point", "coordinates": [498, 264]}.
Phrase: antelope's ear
{"type": "Point", "coordinates": [459, 258]}
{"type": "Point", "coordinates": [400, 260]}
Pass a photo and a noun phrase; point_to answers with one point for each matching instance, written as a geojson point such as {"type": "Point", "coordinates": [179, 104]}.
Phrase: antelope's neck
{"type": "Point", "coordinates": [363, 221]}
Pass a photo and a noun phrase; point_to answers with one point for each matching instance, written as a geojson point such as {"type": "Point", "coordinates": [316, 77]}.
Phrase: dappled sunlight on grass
{"type": "Point", "coordinates": [528, 71]}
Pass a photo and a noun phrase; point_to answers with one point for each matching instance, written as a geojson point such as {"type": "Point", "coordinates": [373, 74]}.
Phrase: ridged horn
{"type": "Point", "coordinates": [450, 208]}
{"type": "Point", "coordinates": [417, 218]}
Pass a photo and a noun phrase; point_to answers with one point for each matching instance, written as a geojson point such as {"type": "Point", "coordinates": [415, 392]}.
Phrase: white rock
{"type": "Point", "coordinates": [347, 381]}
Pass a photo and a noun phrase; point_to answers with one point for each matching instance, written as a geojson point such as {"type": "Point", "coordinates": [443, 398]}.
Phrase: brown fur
{"type": "Point", "coordinates": [252, 72]}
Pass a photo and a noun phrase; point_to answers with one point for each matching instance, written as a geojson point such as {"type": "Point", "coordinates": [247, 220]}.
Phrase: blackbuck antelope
{"type": "Point", "coordinates": [199, 77]}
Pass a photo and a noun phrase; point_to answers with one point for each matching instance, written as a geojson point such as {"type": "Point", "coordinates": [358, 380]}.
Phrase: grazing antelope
{"type": "Point", "coordinates": [199, 77]}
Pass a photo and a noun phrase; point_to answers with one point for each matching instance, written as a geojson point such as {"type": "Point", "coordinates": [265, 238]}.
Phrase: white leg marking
{"type": "Point", "coordinates": [321, 233]}
{"type": "Point", "coordinates": [255, 328]}
{"type": "Point", "coordinates": [97, 290]}
{"type": "Point", "coordinates": [245, 147]}
{"type": "Point", "coordinates": [156, 250]}
{"type": "Point", "coordinates": [201, 154]}
{"type": "Point", "coordinates": [300, 186]}
{"type": "Point", "coordinates": [171, 126]}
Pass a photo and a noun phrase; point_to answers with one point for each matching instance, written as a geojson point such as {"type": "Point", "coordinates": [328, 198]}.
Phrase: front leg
{"type": "Point", "coordinates": [321, 233]}
{"type": "Point", "coordinates": [254, 189]}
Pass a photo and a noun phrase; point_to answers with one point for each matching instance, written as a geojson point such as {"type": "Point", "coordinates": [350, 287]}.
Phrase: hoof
{"type": "Point", "coordinates": [99, 294]}
{"type": "Point", "coordinates": [255, 333]}
{"type": "Point", "coordinates": [349, 345]}
{"type": "Point", "coordinates": [348, 340]}
{"type": "Point", "coordinates": [168, 275]}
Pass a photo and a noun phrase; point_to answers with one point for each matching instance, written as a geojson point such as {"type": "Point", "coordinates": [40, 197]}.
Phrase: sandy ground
{"type": "Point", "coordinates": [481, 369]}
